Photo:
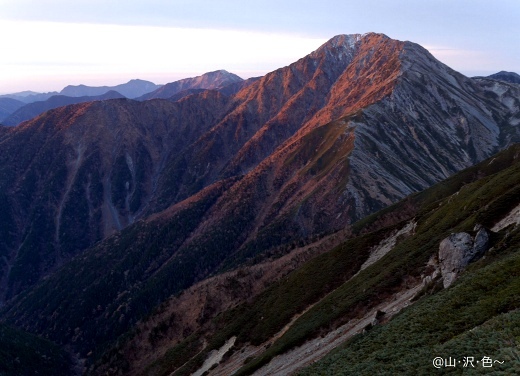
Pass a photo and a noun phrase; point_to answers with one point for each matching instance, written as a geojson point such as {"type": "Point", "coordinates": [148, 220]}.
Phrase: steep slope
{"type": "Point", "coordinates": [24, 354]}
{"type": "Point", "coordinates": [486, 328]}
{"type": "Point", "coordinates": [302, 308]}
{"type": "Point", "coordinates": [77, 174]}
{"type": "Point", "coordinates": [34, 109]}
{"type": "Point", "coordinates": [211, 80]}
{"type": "Point", "coordinates": [131, 89]}
{"type": "Point", "coordinates": [8, 106]}
{"type": "Point", "coordinates": [506, 94]}
{"type": "Point", "coordinates": [418, 123]}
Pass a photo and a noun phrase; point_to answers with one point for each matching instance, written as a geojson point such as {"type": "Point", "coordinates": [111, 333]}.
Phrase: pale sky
{"type": "Point", "coordinates": [48, 44]}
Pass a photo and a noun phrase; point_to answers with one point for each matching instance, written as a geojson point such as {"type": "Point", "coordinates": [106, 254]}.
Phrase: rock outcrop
{"type": "Point", "coordinates": [460, 249]}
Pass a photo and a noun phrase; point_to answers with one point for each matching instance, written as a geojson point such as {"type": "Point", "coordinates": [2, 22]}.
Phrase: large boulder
{"type": "Point", "coordinates": [458, 250]}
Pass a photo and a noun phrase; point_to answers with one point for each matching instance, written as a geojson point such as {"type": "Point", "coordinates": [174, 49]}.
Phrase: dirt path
{"type": "Point", "coordinates": [316, 349]}
{"type": "Point", "coordinates": [313, 350]}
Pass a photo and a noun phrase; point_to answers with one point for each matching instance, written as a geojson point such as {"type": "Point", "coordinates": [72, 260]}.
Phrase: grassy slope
{"type": "Point", "coordinates": [475, 202]}
{"type": "Point", "coordinates": [478, 316]}
{"type": "Point", "coordinates": [256, 321]}
{"type": "Point", "coordinates": [438, 210]}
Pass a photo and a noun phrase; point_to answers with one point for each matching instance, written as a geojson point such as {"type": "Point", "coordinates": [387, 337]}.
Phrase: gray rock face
{"type": "Point", "coordinates": [453, 252]}
{"type": "Point", "coordinates": [458, 250]}
{"type": "Point", "coordinates": [481, 244]}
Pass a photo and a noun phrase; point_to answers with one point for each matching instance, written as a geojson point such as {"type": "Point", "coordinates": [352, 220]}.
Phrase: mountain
{"type": "Point", "coordinates": [356, 125]}
{"type": "Point", "coordinates": [228, 90]}
{"type": "Point", "coordinates": [29, 96]}
{"type": "Point", "coordinates": [34, 109]}
{"type": "Point", "coordinates": [8, 106]}
{"type": "Point", "coordinates": [278, 314]}
{"type": "Point", "coordinates": [388, 263]}
{"type": "Point", "coordinates": [511, 77]}
{"type": "Point", "coordinates": [22, 94]}
{"type": "Point", "coordinates": [131, 89]}
{"type": "Point", "coordinates": [211, 80]}
{"type": "Point", "coordinates": [25, 354]}
{"type": "Point", "coordinates": [111, 207]}
{"type": "Point", "coordinates": [77, 174]}
{"type": "Point", "coordinates": [411, 126]}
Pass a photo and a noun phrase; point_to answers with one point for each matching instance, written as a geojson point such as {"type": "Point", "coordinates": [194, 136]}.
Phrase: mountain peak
{"type": "Point", "coordinates": [350, 39]}
{"type": "Point", "coordinates": [339, 43]}
{"type": "Point", "coordinates": [131, 89]}
{"type": "Point", "coordinates": [343, 45]}
{"type": "Point", "coordinates": [219, 71]}
{"type": "Point", "coordinates": [209, 81]}
{"type": "Point", "coordinates": [343, 39]}
{"type": "Point", "coordinates": [511, 77]}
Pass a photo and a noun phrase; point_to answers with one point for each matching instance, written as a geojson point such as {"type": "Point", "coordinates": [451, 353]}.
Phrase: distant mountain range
{"type": "Point", "coordinates": [29, 96]}
{"type": "Point", "coordinates": [13, 111]}
{"type": "Point", "coordinates": [31, 110]}
{"type": "Point", "coordinates": [132, 89]}
{"type": "Point", "coordinates": [111, 207]}
{"type": "Point", "coordinates": [8, 106]}
{"type": "Point", "coordinates": [37, 103]}
{"type": "Point", "coordinates": [227, 83]}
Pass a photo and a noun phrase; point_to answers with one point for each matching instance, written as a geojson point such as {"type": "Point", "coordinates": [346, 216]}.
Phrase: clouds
{"type": "Point", "coordinates": [324, 18]}
{"type": "Point", "coordinates": [78, 53]}
{"type": "Point", "coordinates": [222, 14]}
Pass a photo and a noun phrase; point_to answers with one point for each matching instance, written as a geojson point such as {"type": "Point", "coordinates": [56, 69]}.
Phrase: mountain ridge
{"type": "Point", "coordinates": [261, 134]}
{"type": "Point", "coordinates": [131, 89]}
{"type": "Point", "coordinates": [34, 109]}
{"type": "Point", "coordinates": [192, 188]}
{"type": "Point", "coordinates": [510, 77]}
{"type": "Point", "coordinates": [210, 80]}
{"type": "Point", "coordinates": [8, 106]}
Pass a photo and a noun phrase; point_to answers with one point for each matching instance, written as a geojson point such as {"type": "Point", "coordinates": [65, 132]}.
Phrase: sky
{"type": "Point", "coordinates": [48, 44]}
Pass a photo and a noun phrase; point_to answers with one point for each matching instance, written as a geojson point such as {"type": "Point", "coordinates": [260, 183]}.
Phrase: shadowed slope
{"type": "Point", "coordinates": [34, 109]}
{"type": "Point", "coordinates": [77, 174]}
